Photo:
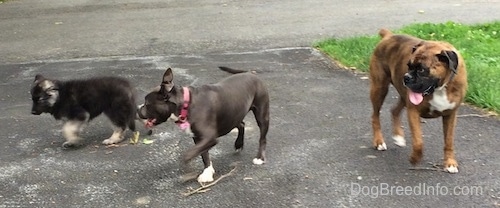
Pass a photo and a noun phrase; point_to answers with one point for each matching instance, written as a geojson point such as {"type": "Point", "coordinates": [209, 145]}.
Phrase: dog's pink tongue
{"type": "Point", "coordinates": [415, 98]}
{"type": "Point", "coordinates": [150, 123]}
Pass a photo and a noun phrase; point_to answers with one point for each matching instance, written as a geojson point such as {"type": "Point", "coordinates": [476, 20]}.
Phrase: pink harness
{"type": "Point", "coordinates": [183, 123]}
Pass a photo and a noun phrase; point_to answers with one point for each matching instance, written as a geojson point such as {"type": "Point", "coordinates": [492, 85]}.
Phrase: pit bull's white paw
{"type": "Point", "coordinates": [399, 140]}
{"type": "Point", "coordinates": [382, 147]}
{"type": "Point", "coordinates": [451, 169]}
{"type": "Point", "coordinates": [207, 175]}
{"type": "Point", "coordinates": [258, 161]}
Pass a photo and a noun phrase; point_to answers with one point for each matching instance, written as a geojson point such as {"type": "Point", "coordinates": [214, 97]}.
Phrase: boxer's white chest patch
{"type": "Point", "coordinates": [440, 102]}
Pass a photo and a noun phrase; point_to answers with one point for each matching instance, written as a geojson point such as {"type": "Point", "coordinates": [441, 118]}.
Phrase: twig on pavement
{"type": "Point", "coordinates": [205, 187]}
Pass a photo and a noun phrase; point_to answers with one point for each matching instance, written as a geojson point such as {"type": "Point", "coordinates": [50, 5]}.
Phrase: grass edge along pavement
{"type": "Point", "coordinates": [479, 45]}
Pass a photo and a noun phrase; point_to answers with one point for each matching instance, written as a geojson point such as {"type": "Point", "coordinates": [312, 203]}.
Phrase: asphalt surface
{"type": "Point", "coordinates": [318, 153]}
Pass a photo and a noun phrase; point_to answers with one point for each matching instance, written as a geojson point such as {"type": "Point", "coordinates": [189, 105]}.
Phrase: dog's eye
{"type": "Point", "coordinates": [41, 99]}
{"type": "Point", "coordinates": [421, 70]}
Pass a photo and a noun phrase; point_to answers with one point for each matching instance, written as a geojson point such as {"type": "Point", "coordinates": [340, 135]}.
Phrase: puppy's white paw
{"type": "Point", "coordinates": [258, 161]}
{"type": "Point", "coordinates": [207, 175]}
{"type": "Point", "coordinates": [382, 147]}
{"type": "Point", "coordinates": [451, 169]}
{"type": "Point", "coordinates": [69, 144]}
{"type": "Point", "coordinates": [399, 140]}
{"type": "Point", "coordinates": [109, 141]}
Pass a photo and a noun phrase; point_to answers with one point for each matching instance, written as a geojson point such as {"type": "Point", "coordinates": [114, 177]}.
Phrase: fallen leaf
{"type": "Point", "coordinates": [147, 141]}
{"type": "Point", "coordinates": [135, 138]}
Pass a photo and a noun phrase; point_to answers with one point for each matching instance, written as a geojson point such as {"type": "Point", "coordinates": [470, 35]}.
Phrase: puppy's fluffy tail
{"type": "Point", "coordinates": [384, 33]}
{"type": "Point", "coordinates": [232, 71]}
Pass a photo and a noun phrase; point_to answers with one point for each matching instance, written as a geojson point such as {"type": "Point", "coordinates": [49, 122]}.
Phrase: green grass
{"type": "Point", "coordinates": [479, 44]}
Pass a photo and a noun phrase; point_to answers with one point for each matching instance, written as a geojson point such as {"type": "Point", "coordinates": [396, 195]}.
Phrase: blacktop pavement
{"type": "Point", "coordinates": [319, 152]}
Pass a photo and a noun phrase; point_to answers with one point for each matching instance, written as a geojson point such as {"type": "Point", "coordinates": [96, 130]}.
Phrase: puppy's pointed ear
{"type": "Point", "coordinates": [450, 58]}
{"type": "Point", "coordinates": [38, 78]}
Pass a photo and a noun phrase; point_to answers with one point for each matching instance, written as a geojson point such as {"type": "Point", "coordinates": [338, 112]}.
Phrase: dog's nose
{"type": "Point", "coordinates": [407, 78]}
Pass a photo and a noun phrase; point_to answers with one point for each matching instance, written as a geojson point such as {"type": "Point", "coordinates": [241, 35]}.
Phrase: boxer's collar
{"type": "Point", "coordinates": [454, 72]}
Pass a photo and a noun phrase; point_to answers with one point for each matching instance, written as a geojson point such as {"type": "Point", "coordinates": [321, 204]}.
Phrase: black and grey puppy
{"type": "Point", "coordinates": [76, 102]}
{"type": "Point", "coordinates": [211, 111]}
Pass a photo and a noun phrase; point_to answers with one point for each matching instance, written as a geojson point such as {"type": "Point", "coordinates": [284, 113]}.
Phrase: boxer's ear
{"type": "Point", "coordinates": [450, 58]}
{"type": "Point", "coordinates": [414, 48]}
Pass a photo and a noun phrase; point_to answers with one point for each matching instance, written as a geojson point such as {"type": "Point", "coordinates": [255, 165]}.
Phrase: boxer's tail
{"type": "Point", "coordinates": [384, 33]}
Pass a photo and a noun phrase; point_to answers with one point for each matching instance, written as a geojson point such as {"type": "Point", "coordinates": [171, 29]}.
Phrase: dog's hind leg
{"type": "Point", "coordinates": [131, 124]}
{"type": "Point", "coordinates": [116, 137]}
{"type": "Point", "coordinates": [238, 144]}
{"type": "Point", "coordinates": [397, 130]}
{"type": "Point", "coordinates": [261, 114]}
{"type": "Point", "coordinates": [379, 86]}
{"type": "Point", "coordinates": [121, 118]}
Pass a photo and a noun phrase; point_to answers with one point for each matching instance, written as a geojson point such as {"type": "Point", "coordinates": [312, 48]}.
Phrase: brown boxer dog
{"type": "Point", "coordinates": [431, 80]}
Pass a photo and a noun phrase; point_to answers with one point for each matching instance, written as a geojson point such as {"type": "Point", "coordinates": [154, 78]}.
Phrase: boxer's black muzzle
{"type": "Point", "coordinates": [419, 80]}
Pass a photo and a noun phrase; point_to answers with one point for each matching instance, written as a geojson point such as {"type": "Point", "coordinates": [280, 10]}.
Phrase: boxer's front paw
{"type": "Point", "coordinates": [451, 166]}
{"type": "Point", "coordinates": [399, 140]}
{"type": "Point", "coordinates": [381, 147]}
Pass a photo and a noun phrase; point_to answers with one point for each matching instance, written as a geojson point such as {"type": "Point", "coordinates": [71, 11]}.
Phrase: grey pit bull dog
{"type": "Point", "coordinates": [210, 111]}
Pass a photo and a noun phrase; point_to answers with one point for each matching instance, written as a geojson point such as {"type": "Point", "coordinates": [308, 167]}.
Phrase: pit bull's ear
{"type": "Point", "coordinates": [163, 91]}
{"type": "Point", "coordinates": [450, 58]}
{"type": "Point", "coordinates": [167, 83]}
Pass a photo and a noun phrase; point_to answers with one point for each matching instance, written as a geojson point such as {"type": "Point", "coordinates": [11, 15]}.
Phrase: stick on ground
{"type": "Point", "coordinates": [205, 188]}
{"type": "Point", "coordinates": [434, 167]}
